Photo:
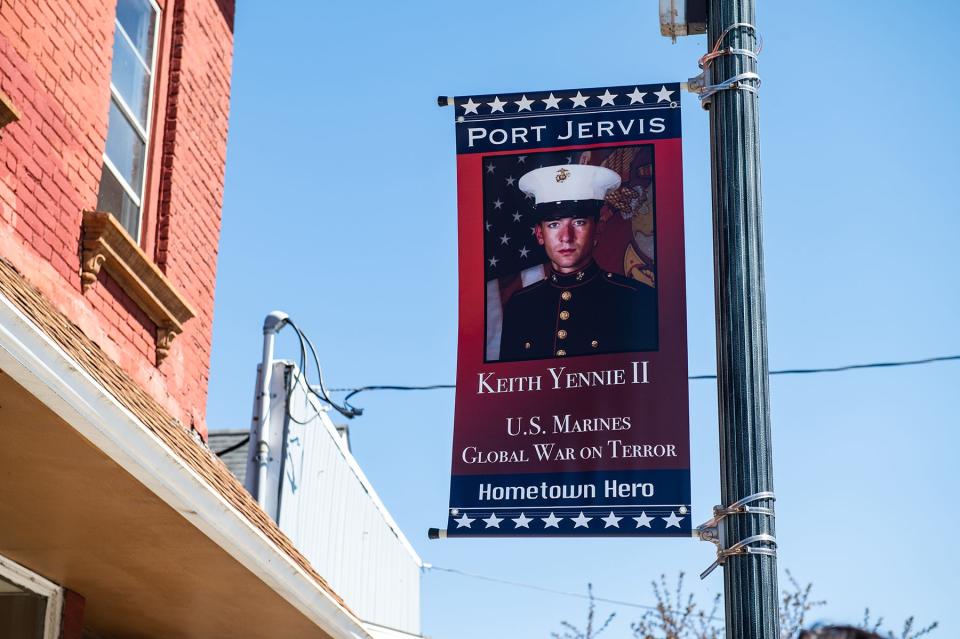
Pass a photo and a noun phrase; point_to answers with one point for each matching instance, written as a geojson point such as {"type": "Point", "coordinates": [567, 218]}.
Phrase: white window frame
{"type": "Point", "coordinates": [25, 578]}
{"type": "Point", "coordinates": [127, 112]}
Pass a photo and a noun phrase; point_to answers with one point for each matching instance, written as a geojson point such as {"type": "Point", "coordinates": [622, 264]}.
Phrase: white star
{"type": "Point", "coordinates": [490, 168]}
{"type": "Point", "coordinates": [643, 520]}
{"type": "Point", "coordinates": [569, 159]}
{"type": "Point", "coordinates": [493, 521]}
{"type": "Point", "coordinates": [523, 252]}
{"type": "Point", "coordinates": [504, 238]}
{"type": "Point", "coordinates": [579, 100]}
{"type": "Point", "coordinates": [636, 96]}
{"type": "Point", "coordinates": [522, 521]}
{"type": "Point", "coordinates": [551, 102]}
{"type": "Point", "coordinates": [607, 97]}
{"type": "Point", "coordinates": [611, 520]}
{"type": "Point", "coordinates": [523, 103]}
{"type": "Point", "coordinates": [511, 180]}
{"type": "Point", "coordinates": [517, 216]}
{"type": "Point", "coordinates": [581, 521]}
{"type": "Point", "coordinates": [533, 230]}
{"type": "Point", "coordinates": [529, 196]}
{"type": "Point", "coordinates": [496, 105]}
{"type": "Point", "coordinates": [497, 204]}
{"type": "Point", "coordinates": [470, 106]}
{"type": "Point", "coordinates": [672, 520]}
{"type": "Point", "coordinates": [521, 159]}
{"type": "Point", "coordinates": [487, 225]}
{"type": "Point", "coordinates": [463, 522]}
{"type": "Point", "coordinates": [663, 95]}
{"type": "Point", "coordinates": [552, 521]}
{"type": "Point", "coordinates": [493, 260]}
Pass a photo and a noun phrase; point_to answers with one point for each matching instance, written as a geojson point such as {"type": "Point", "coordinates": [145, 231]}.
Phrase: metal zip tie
{"type": "Point", "coordinates": [716, 52]}
{"type": "Point", "coordinates": [743, 81]}
{"type": "Point", "coordinates": [736, 82]}
{"type": "Point", "coordinates": [741, 506]}
{"type": "Point", "coordinates": [736, 508]}
{"type": "Point", "coordinates": [741, 548]}
{"type": "Point", "coordinates": [710, 530]}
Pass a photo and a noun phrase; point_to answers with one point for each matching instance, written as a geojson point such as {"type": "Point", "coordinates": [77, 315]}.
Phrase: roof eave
{"type": "Point", "coordinates": [36, 362]}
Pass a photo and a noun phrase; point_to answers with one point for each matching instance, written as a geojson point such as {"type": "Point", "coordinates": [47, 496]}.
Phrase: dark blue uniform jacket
{"type": "Point", "coordinates": [584, 313]}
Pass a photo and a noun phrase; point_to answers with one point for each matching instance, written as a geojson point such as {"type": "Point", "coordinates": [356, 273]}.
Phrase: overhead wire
{"type": "Point", "coordinates": [323, 394]}
{"type": "Point", "coordinates": [349, 410]}
{"type": "Point", "coordinates": [553, 591]}
{"type": "Point", "coordinates": [301, 380]}
{"type": "Point", "coordinates": [353, 391]}
{"type": "Point", "coordinates": [233, 447]}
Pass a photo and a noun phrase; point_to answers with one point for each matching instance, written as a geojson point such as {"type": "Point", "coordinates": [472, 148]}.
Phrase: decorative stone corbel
{"type": "Point", "coordinates": [107, 245]}
{"type": "Point", "coordinates": [165, 335]}
{"type": "Point", "coordinates": [92, 261]}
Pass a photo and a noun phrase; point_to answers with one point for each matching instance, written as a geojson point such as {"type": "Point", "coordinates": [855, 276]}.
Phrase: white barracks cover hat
{"type": "Point", "coordinates": [569, 182]}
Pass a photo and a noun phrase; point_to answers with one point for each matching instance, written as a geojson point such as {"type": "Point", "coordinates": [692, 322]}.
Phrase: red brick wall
{"type": "Point", "coordinates": [55, 60]}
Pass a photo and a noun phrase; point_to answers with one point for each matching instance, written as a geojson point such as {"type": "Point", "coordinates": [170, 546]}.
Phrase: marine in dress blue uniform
{"type": "Point", "coordinates": [578, 309]}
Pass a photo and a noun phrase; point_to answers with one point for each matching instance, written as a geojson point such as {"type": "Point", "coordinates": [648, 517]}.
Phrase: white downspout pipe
{"type": "Point", "coordinates": [271, 326]}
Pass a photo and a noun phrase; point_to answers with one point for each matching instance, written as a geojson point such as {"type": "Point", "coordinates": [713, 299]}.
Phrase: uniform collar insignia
{"type": "Point", "coordinates": [582, 276]}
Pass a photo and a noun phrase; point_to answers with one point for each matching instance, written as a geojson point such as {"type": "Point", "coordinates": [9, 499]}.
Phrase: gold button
{"type": "Point", "coordinates": [564, 315]}
{"type": "Point", "coordinates": [594, 343]}
{"type": "Point", "coordinates": [562, 334]}
{"type": "Point", "coordinates": [566, 295]}
{"type": "Point", "coordinates": [561, 353]}
{"type": "Point", "coordinates": [526, 345]}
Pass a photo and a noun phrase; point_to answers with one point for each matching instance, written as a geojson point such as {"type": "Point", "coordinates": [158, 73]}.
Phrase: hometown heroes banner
{"type": "Point", "coordinates": [571, 405]}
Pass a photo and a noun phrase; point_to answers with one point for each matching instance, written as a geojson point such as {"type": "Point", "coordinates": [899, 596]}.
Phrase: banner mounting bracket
{"type": "Point", "coordinates": [710, 531]}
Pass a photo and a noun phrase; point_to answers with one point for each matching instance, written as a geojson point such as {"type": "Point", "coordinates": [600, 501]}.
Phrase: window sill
{"type": "Point", "coordinates": [107, 245]}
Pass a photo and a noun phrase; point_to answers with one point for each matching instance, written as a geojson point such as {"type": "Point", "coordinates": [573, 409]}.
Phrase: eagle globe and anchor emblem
{"type": "Point", "coordinates": [562, 175]}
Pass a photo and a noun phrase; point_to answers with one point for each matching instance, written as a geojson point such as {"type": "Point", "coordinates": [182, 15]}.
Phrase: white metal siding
{"type": "Point", "coordinates": [334, 516]}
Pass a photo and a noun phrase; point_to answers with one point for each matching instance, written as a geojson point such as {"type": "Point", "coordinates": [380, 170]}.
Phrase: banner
{"type": "Point", "coordinates": [571, 403]}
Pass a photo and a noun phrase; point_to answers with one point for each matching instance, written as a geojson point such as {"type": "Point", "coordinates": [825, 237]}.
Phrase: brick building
{"type": "Point", "coordinates": [115, 519]}
{"type": "Point", "coordinates": [131, 124]}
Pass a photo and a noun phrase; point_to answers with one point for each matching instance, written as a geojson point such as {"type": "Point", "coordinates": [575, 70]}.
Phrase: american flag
{"type": "Point", "coordinates": [508, 218]}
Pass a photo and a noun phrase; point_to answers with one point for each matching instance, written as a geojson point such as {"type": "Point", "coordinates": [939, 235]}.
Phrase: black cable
{"type": "Point", "coordinates": [850, 367]}
{"type": "Point", "coordinates": [301, 373]}
{"type": "Point", "coordinates": [346, 409]}
{"type": "Point", "coordinates": [786, 371]}
{"type": "Point", "coordinates": [354, 391]}
{"type": "Point", "coordinates": [230, 449]}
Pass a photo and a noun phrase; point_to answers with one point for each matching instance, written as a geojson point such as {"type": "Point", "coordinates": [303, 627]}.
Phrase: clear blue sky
{"type": "Point", "coordinates": [340, 209]}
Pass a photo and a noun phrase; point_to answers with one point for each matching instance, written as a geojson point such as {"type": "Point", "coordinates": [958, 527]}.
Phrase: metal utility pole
{"type": "Point", "coordinates": [746, 470]}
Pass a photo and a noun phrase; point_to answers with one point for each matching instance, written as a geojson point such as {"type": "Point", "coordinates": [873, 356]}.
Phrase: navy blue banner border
{"type": "Point", "coordinates": [620, 503]}
{"type": "Point", "coordinates": [550, 119]}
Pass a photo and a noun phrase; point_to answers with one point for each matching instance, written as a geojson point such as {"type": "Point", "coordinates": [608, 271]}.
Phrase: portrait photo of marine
{"type": "Point", "coordinates": [593, 290]}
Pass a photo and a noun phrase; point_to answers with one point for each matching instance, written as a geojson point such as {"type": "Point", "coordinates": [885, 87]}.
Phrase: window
{"type": "Point", "coordinates": [131, 103]}
{"type": "Point", "coordinates": [30, 606]}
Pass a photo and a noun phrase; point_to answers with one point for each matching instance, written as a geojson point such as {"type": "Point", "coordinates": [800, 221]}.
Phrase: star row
{"type": "Point", "coordinates": [606, 99]}
{"type": "Point", "coordinates": [493, 261]}
{"type": "Point", "coordinates": [505, 239]}
{"type": "Point", "coordinates": [512, 180]}
{"type": "Point", "coordinates": [498, 205]}
{"type": "Point", "coordinates": [580, 521]}
{"type": "Point", "coordinates": [517, 216]}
